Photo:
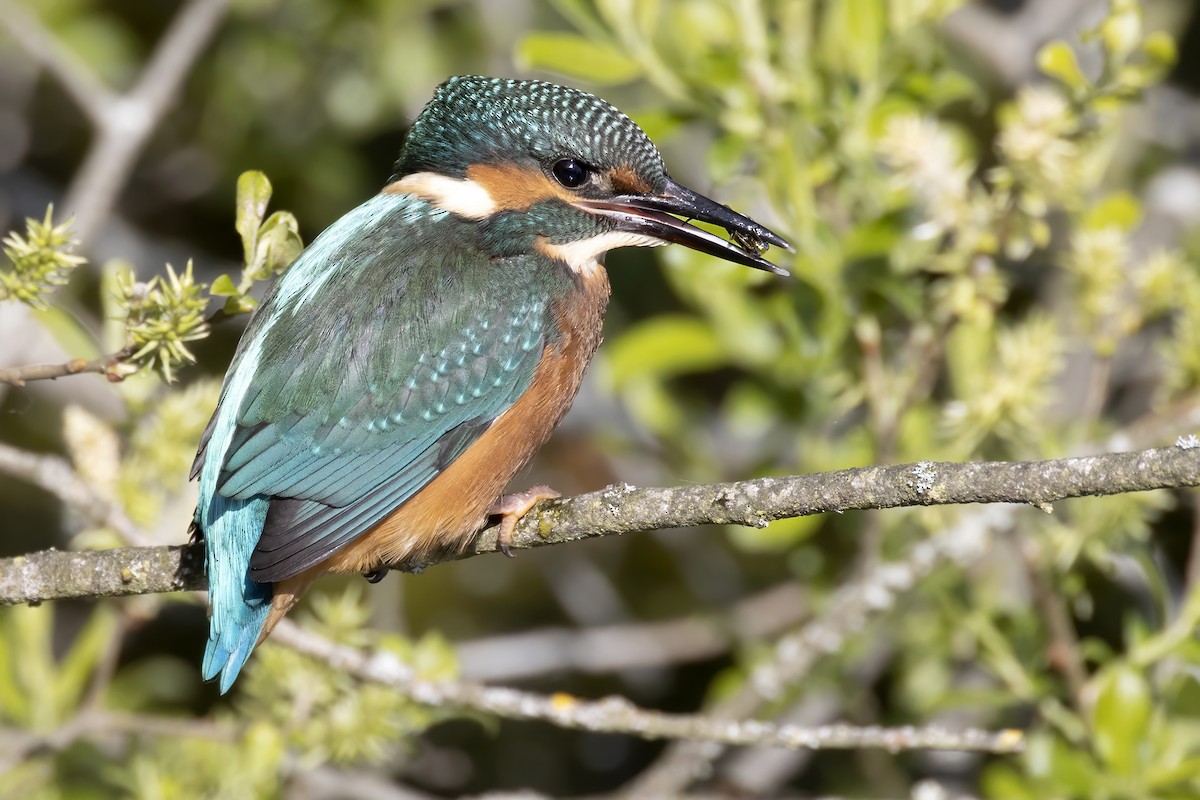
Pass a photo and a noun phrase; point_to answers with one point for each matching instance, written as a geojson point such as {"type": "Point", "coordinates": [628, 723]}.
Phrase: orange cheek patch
{"type": "Point", "coordinates": [514, 188]}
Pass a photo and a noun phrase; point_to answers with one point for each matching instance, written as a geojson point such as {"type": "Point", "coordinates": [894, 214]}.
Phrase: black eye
{"type": "Point", "coordinates": [570, 173]}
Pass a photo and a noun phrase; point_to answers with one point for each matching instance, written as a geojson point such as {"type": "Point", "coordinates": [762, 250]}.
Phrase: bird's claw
{"type": "Point", "coordinates": [376, 575]}
{"type": "Point", "coordinates": [512, 507]}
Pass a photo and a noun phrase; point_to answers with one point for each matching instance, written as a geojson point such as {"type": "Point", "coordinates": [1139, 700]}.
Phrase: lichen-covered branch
{"type": "Point", "coordinates": [59, 574]}
{"type": "Point", "coordinates": [625, 509]}
{"type": "Point", "coordinates": [618, 715]}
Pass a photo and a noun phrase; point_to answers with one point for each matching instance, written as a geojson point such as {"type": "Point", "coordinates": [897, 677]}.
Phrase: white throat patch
{"type": "Point", "coordinates": [583, 256]}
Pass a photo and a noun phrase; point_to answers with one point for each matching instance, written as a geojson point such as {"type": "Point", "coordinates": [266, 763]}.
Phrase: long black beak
{"type": "Point", "coordinates": [650, 215]}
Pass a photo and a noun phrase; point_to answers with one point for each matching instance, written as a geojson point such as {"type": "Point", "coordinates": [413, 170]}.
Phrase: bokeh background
{"type": "Point", "coordinates": [994, 205]}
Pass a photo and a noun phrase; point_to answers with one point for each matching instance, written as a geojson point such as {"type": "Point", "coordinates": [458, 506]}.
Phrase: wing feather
{"type": "Point", "coordinates": [362, 395]}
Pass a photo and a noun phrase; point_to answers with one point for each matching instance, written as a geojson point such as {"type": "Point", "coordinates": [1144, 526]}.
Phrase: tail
{"type": "Point", "coordinates": [238, 606]}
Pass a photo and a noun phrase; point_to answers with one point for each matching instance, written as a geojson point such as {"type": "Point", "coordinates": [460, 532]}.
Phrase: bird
{"type": "Point", "coordinates": [413, 358]}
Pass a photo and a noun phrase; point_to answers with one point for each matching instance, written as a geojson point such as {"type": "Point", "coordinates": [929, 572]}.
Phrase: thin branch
{"type": "Point", "coordinates": [759, 772]}
{"type": "Point", "coordinates": [99, 723]}
{"type": "Point", "coordinates": [93, 97]}
{"type": "Point", "coordinates": [1192, 575]}
{"type": "Point", "coordinates": [327, 781]}
{"type": "Point", "coordinates": [128, 120]}
{"type": "Point", "coordinates": [56, 476]}
{"type": "Point", "coordinates": [122, 123]}
{"type": "Point", "coordinates": [107, 365]}
{"type": "Point", "coordinates": [849, 611]}
{"type": "Point", "coordinates": [612, 648]}
{"type": "Point", "coordinates": [618, 715]}
{"type": "Point", "coordinates": [1065, 653]}
{"type": "Point", "coordinates": [624, 509]}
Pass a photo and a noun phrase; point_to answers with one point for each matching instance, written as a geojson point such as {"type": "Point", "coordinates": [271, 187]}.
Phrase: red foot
{"type": "Point", "coordinates": [511, 507]}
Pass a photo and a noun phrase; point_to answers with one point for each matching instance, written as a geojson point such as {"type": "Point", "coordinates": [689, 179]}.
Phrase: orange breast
{"type": "Point", "coordinates": [453, 506]}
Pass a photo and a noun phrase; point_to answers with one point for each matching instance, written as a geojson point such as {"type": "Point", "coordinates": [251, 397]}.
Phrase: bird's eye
{"type": "Point", "coordinates": [570, 172]}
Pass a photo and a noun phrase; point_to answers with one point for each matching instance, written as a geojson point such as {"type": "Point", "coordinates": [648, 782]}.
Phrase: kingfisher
{"type": "Point", "coordinates": [417, 353]}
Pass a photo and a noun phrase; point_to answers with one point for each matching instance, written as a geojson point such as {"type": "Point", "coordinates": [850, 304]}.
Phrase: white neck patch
{"type": "Point", "coordinates": [461, 196]}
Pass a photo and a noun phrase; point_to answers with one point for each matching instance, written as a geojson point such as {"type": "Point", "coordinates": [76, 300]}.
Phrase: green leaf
{"type": "Point", "coordinates": [224, 287]}
{"type": "Point", "coordinates": [1121, 716]}
{"type": "Point", "coordinates": [852, 38]}
{"type": "Point", "coordinates": [1161, 51]}
{"type": "Point", "coordinates": [277, 247]}
{"type": "Point", "coordinates": [253, 194]}
{"type": "Point", "coordinates": [239, 305]}
{"type": "Point", "coordinates": [1118, 210]}
{"type": "Point", "coordinates": [81, 661]}
{"type": "Point", "coordinates": [1058, 60]}
{"type": "Point", "coordinates": [572, 55]}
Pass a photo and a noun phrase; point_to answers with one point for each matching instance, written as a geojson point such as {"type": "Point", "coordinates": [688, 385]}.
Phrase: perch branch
{"type": "Point", "coordinates": [623, 509]}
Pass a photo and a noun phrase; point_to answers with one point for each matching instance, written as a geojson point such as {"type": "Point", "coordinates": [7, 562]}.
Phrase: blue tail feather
{"type": "Point", "coordinates": [230, 643]}
{"type": "Point", "coordinates": [238, 606]}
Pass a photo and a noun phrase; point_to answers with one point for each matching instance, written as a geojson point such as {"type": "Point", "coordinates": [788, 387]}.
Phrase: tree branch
{"type": "Point", "coordinates": [623, 509]}
{"type": "Point", "coordinates": [618, 715]}
{"type": "Point", "coordinates": [92, 96]}
{"type": "Point", "coordinates": [56, 476]}
{"type": "Point", "coordinates": [122, 122]}
{"type": "Point", "coordinates": [848, 612]}
{"type": "Point", "coordinates": [613, 648]}
{"type": "Point", "coordinates": [51, 574]}
{"type": "Point", "coordinates": [128, 120]}
{"type": "Point", "coordinates": [104, 365]}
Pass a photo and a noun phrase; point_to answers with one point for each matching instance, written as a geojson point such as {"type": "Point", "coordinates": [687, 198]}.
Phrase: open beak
{"type": "Point", "coordinates": [651, 215]}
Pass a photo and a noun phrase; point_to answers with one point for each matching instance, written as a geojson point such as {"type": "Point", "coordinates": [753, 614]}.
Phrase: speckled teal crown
{"type": "Point", "coordinates": [474, 120]}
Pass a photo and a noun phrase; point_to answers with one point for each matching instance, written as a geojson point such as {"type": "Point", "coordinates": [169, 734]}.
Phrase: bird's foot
{"type": "Point", "coordinates": [376, 575]}
{"type": "Point", "coordinates": [511, 507]}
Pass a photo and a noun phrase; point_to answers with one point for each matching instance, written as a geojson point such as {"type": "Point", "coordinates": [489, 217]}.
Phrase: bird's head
{"type": "Point", "coordinates": [558, 170]}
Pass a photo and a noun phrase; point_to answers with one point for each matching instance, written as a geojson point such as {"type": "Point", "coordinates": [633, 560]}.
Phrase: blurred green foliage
{"type": "Point", "coordinates": [967, 278]}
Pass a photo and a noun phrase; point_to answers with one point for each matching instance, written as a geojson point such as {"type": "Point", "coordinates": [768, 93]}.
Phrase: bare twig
{"type": "Point", "coordinates": [56, 476]}
{"type": "Point", "coordinates": [1192, 576]}
{"type": "Point", "coordinates": [761, 772]}
{"type": "Point", "coordinates": [328, 781]}
{"type": "Point", "coordinates": [93, 97]}
{"type": "Point", "coordinates": [100, 723]}
{"type": "Point", "coordinates": [618, 715]}
{"type": "Point", "coordinates": [624, 509]}
{"type": "Point", "coordinates": [108, 365]}
{"type": "Point", "coordinates": [611, 648]}
{"type": "Point", "coordinates": [123, 122]}
{"type": "Point", "coordinates": [850, 610]}
{"type": "Point", "coordinates": [1065, 653]}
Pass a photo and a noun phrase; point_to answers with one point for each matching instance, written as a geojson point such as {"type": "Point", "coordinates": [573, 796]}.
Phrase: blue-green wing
{"type": "Point", "coordinates": [361, 393]}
